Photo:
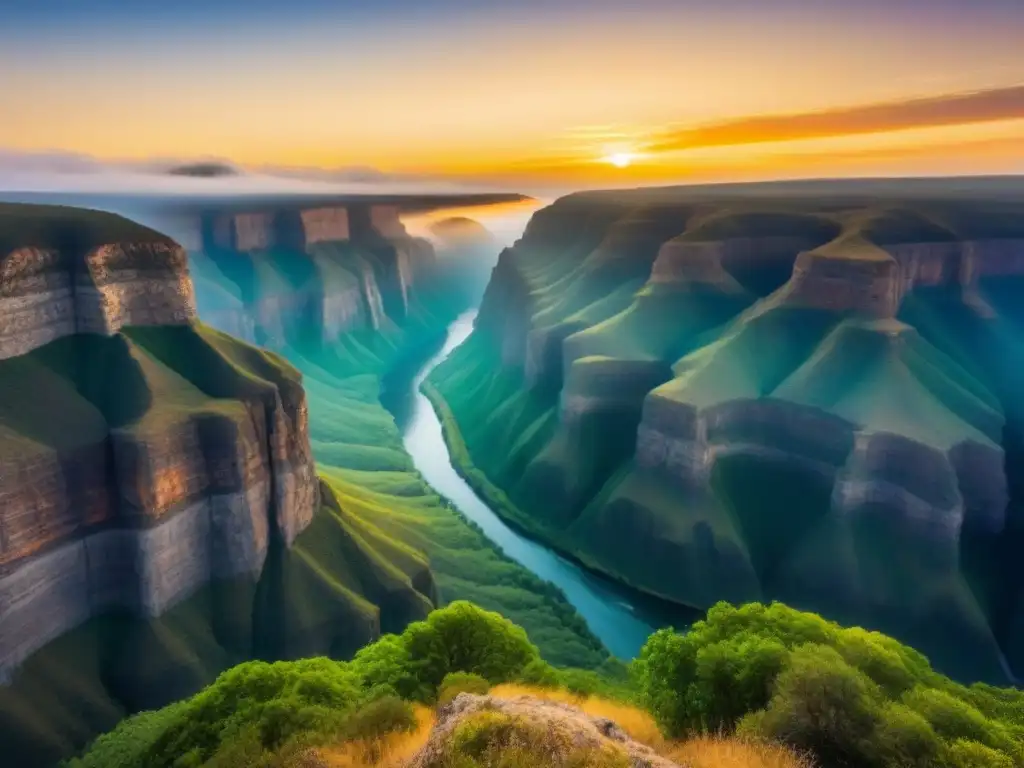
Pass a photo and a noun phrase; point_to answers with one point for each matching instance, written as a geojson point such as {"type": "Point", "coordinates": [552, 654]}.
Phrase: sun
{"type": "Point", "coordinates": [620, 159]}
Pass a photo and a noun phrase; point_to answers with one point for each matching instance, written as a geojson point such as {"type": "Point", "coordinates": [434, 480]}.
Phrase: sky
{"type": "Point", "coordinates": [522, 94]}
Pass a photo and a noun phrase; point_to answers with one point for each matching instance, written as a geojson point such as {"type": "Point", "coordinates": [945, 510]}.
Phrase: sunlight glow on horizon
{"type": "Point", "coordinates": [579, 97]}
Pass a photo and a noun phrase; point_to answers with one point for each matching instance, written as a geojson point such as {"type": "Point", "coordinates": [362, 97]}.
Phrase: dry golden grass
{"type": "Point", "coordinates": [637, 723]}
{"type": "Point", "coordinates": [396, 750]}
{"type": "Point", "coordinates": [699, 752]}
{"type": "Point", "coordinates": [725, 752]}
{"type": "Point", "coordinates": [393, 751]}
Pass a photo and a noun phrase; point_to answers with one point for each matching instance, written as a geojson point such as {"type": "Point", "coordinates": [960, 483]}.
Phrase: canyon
{"type": "Point", "coordinates": [162, 518]}
{"type": "Point", "coordinates": [799, 392]}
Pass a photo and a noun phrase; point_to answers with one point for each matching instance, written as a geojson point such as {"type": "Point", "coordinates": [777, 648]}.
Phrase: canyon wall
{"type": "Point", "coordinates": [307, 274]}
{"type": "Point", "coordinates": [131, 478]}
{"type": "Point", "coordinates": [47, 293]}
{"type": "Point", "coordinates": [771, 397]}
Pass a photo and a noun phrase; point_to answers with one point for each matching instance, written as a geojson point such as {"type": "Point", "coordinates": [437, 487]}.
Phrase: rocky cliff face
{"type": "Point", "coordinates": [49, 293]}
{"type": "Point", "coordinates": [307, 274]}
{"type": "Point", "coordinates": [139, 463]}
{"type": "Point", "coordinates": [773, 397]}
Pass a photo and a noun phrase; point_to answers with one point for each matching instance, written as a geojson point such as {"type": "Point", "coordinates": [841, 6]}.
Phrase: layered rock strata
{"type": "Point", "coordinates": [46, 293]}
{"type": "Point", "coordinates": [314, 272]}
{"type": "Point", "coordinates": [138, 463]}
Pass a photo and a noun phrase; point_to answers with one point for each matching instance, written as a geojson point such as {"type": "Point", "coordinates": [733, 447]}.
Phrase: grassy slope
{"type": "Point", "coordinates": [359, 453]}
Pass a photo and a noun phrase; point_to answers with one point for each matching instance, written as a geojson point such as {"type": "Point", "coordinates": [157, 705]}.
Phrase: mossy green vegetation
{"type": "Point", "coordinates": [847, 697]}
{"type": "Point", "coordinates": [261, 710]}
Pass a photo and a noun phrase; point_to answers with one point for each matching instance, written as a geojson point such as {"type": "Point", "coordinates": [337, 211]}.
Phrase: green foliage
{"type": "Point", "coordinates": [539, 673]}
{"type": "Point", "coordinates": [825, 706]}
{"type": "Point", "coordinates": [464, 638]}
{"type": "Point", "coordinates": [455, 683]}
{"type": "Point", "coordinates": [276, 702]}
{"type": "Point", "coordinates": [971, 754]}
{"type": "Point", "coordinates": [133, 737]}
{"type": "Point", "coordinates": [849, 696]}
{"type": "Point", "coordinates": [257, 711]}
{"type": "Point", "coordinates": [906, 739]}
{"type": "Point", "coordinates": [381, 716]}
{"type": "Point", "coordinates": [385, 664]}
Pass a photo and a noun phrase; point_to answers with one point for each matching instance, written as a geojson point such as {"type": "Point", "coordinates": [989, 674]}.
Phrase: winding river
{"type": "Point", "coordinates": [612, 612]}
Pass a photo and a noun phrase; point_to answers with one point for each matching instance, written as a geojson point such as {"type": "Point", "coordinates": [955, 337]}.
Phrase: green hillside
{"type": "Point", "coordinates": [765, 400]}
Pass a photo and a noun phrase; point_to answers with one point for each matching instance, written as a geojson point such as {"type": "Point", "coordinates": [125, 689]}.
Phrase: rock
{"type": "Point", "coordinates": [139, 463]}
{"type": "Point", "coordinates": [845, 279]}
{"type": "Point", "coordinates": [46, 294]}
{"type": "Point", "coordinates": [325, 225]}
{"type": "Point", "coordinates": [564, 723]}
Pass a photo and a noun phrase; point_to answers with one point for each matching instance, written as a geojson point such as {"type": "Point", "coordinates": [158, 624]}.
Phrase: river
{"type": "Point", "coordinates": [613, 613]}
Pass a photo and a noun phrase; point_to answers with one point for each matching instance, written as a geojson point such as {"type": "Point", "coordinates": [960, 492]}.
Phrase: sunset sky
{"type": "Point", "coordinates": [524, 93]}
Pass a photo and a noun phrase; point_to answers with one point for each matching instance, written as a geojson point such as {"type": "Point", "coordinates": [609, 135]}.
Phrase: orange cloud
{"type": "Point", "coordinates": [949, 109]}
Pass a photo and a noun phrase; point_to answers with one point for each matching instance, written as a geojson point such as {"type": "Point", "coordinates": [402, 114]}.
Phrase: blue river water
{"type": "Point", "coordinates": [611, 611]}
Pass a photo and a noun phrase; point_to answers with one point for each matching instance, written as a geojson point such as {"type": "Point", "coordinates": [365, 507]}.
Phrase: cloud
{"type": "Point", "coordinates": [68, 172]}
{"type": "Point", "coordinates": [949, 109]}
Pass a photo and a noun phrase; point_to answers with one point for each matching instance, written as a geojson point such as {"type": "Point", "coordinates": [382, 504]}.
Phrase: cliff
{"type": "Point", "coordinates": [749, 393]}
{"type": "Point", "coordinates": [143, 455]}
{"type": "Point", "coordinates": [298, 274]}
{"type": "Point", "coordinates": [160, 515]}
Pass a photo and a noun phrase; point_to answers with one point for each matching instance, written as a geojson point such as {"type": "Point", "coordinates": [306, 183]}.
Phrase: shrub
{"type": "Point", "coordinates": [690, 684]}
{"type": "Point", "coordinates": [125, 746]}
{"type": "Point", "coordinates": [455, 683]}
{"type": "Point", "coordinates": [464, 638]}
{"type": "Point", "coordinates": [385, 664]}
{"type": "Point", "coordinates": [276, 702]}
{"type": "Point", "coordinates": [540, 674]}
{"type": "Point", "coordinates": [971, 754]}
{"type": "Point", "coordinates": [380, 717]}
{"type": "Point", "coordinates": [824, 705]}
{"type": "Point", "coordinates": [906, 739]}
{"type": "Point", "coordinates": [851, 696]}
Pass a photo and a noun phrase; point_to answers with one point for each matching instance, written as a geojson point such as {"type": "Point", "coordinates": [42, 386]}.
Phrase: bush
{"type": "Point", "coordinates": [277, 701]}
{"type": "Point", "coordinates": [823, 705]}
{"type": "Point", "coordinates": [464, 638]}
{"type": "Point", "coordinates": [540, 674]}
{"type": "Point", "coordinates": [378, 718]}
{"type": "Point", "coordinates": [455, 683]}
{"type": "Point", "coordinates": [906, 739]}
{"type": "Point", "coordinates": [971, 754]}
{"type": "Point", "coordinates": [125, 746]}
{"type": "Point", "coordinates": [850, 696]}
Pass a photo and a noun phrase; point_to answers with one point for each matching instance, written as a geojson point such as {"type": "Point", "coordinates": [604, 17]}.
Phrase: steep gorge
{"type": "Point", "coordinates": [751, 393]}
{"type": "Point", "coordinates": [160, 514]}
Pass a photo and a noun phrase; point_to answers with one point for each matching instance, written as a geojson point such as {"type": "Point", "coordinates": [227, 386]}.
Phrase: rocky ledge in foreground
{"type": "Point", "coordinates": [564, 729]}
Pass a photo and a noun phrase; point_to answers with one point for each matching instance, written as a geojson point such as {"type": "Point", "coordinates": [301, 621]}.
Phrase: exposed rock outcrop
{"type": "Point", "coordinates": [47, 293]}
{"type": "Point", "coordinates": [139, 461]}
{"type": "Point", "coordinates": [564, 725]}
{"type": "Point", "coordinates": [307, 273]}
